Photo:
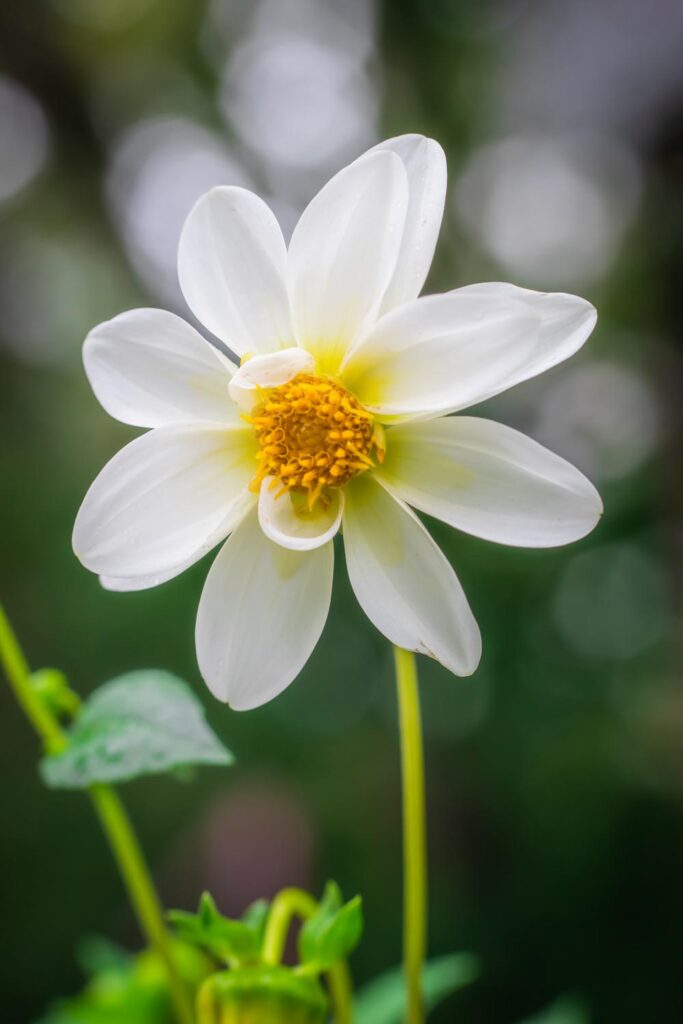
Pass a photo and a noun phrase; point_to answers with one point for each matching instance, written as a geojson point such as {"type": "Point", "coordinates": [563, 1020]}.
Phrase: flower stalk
{"type": "Point", "coordinates": [291, 903]}
{"type": "Point", "coordinates": [111, 813]}
{"type": "Point", "coordinates": [414, 833]}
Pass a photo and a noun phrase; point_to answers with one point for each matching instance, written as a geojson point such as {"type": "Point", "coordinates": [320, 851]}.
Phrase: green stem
{"type": "Point", "coordinates": [288, 903]}
{"type": "Point", "coordinates": [414, 833]}
{"type": "Point", "coordinates": [19, 674]}
{"type": "Point", "coordinates": [341, 990]}
{"type": "Point", "coordinates": [140, 888]}
{"type": "Point", "coordinates": [291, 903]}
{"type": "Point", "coordinates": [111, 812]}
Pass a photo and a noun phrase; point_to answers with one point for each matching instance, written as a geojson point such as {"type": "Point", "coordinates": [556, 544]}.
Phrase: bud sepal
{"type": "Point", "coordinates": [261, 995]}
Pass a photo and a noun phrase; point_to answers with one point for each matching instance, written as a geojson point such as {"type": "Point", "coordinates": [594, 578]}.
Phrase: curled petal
{"type": "Point", "coordinates": [268, 371]}
{"type": "Point", "coordinates": [287, 520]}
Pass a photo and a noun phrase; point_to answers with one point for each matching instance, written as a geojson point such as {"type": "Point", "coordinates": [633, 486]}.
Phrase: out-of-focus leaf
{"type": "Point", "coordinates": [332, 932]}
{"type": "Point", "coordinates": [142, 723]}
{"type": "Point", "coordinates": [229, 940]}
{"type": "Point", "coordinates": [96, 954]}
{"type": "Point", "coordinates": [383, 1000]}
{"type": "Point", "coordinates": [567, 1010]}
{"type": "Point", "coordinates": [255, 916]}
{"type": "Point", "coordinates": [129, 989]}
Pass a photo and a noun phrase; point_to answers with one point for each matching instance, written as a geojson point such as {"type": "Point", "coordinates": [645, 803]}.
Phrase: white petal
{"type": "Point", "coordinates": [149, 368]}
{"type": "Point", "coordinates": [489, 480]}
{"type": "Point", "coordinates": [268, 371]}
{"type": "Point", "coordinates": [566, 322]}
{"type": "Point", "coordinates": [425, 164]}
{"type": "Point", "coordinates": [403, 582]}
{"type": "Point", "coordinates": [288, 522]}
{"type": "Point", "coordinates": [168, 496]}
{"type": "Point", "coordinates": [446, 352]}
{"type": "Point", "coordinates": [343, 254]}
{"type": "Point", "coordinates": [232, 264]}
{"type": "Point", "coordinates": [126, 584]}
{"type": "Point", "coordinates": [261, 613]}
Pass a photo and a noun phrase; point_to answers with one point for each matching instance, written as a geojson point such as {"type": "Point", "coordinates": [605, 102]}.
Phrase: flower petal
{"type": "Point", "coordinates": [126, 584]}
{"type": "Point", "coordinates": [287, 521]}
{"type": "Point", "coordinates": [232, 264]}
{"type": "Point", "coordinates": [343, 254]}
{"type": "Point", "coordinates": [403, 581]}
{"type": "Point", "coordinates": [268, 371]}
{"type": "Point", "coordinates": [149, 368]}
{"type": "Point", "coordinates": [168, 496]}
{"type": "Point", "coordinates": [490, 481]}
{"type": "Point", "coordinates": [425, 164]}
{"type": "Point", "coordinates": [438, 353]}
{"type": "Point", "coordinates": [261, 613]}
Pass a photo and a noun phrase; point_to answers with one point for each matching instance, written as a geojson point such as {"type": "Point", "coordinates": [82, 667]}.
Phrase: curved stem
{"type": "Point", "coordinates": [111, 812]}
{"type": "Point", "coordinates": [414, 833]}
{"type": "Point", "coordinates": [288, 903]}
{"type": "Point", "coordinates": [291, 903]}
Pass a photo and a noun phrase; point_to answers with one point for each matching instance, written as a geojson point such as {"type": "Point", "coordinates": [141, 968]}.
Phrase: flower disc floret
{"type": "Point", "coordinates": [313, 434]}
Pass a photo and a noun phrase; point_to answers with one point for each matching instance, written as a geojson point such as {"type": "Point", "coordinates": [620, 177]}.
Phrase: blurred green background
{"type": "Point", "coordinates": [556, 773]}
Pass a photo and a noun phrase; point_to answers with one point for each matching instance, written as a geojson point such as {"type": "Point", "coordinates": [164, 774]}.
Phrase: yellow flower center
{"type": "Point", "coordinates": [313, 434]}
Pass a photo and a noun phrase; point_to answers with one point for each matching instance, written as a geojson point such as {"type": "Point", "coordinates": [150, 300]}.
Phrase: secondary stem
{"type": "Point", "coordinates": [111, 812]}
{"type": "Point", "coordinates": [414, 833]}
{"type": "Point", "coordinates": [341, 990]}
{"type": "Point", "coordinates": [290, 903]}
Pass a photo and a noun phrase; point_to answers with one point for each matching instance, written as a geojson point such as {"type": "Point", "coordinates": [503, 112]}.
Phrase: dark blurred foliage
{"type": "Point", "coordinates": [556, 773]}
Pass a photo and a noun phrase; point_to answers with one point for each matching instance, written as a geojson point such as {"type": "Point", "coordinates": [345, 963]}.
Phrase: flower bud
{"type": "Point", "coordinates": [261, 995]}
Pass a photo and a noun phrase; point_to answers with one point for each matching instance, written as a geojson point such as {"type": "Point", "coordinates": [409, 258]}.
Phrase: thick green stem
{"type": "Point", "coordinates": [111, 812]}
{"type": "Point", "coordinates": [414, 833]}
{"type": "Point", "coordinates": [291, 903]}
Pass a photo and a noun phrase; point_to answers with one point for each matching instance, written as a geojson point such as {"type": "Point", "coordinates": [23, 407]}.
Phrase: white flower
{"type": "Point", "coordinates": [339, 418]}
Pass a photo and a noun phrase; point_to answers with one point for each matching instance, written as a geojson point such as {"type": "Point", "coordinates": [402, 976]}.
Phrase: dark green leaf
{"type": "Point", "coordinates": [332, 932]}
{"type": "Point", "coordinates": [383, 1000]}
{"type": "Point", "coordinates": [142, 723]}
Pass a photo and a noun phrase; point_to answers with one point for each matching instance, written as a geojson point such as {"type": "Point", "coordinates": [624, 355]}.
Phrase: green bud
{"type": "Point", "coordinates": [261, 995]}
{"type": "Point", "coordinates": [52, 687]}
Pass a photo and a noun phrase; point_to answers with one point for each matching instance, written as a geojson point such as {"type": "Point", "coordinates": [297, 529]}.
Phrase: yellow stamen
{"type": "Point", "coordinates": [313, 434]}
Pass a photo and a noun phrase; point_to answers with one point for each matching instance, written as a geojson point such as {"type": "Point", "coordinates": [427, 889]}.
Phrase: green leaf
{"type": "Point", "coordinates": [332, 932]}
{"type": "Point", "coordinates": [256, 916]}
{"type": "Point", "coordinates": [228, 940]}
{"type": "Point", "coordinates": [567, 1010]}
{"type": "Point", "coordinates": [383, 1000]}
{"type": "Point", "coordinates": [142, 723]}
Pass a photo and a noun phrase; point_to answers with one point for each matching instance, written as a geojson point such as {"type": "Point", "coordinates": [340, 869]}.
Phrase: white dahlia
{"type": "Point", "coordinates": [339, 418]}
